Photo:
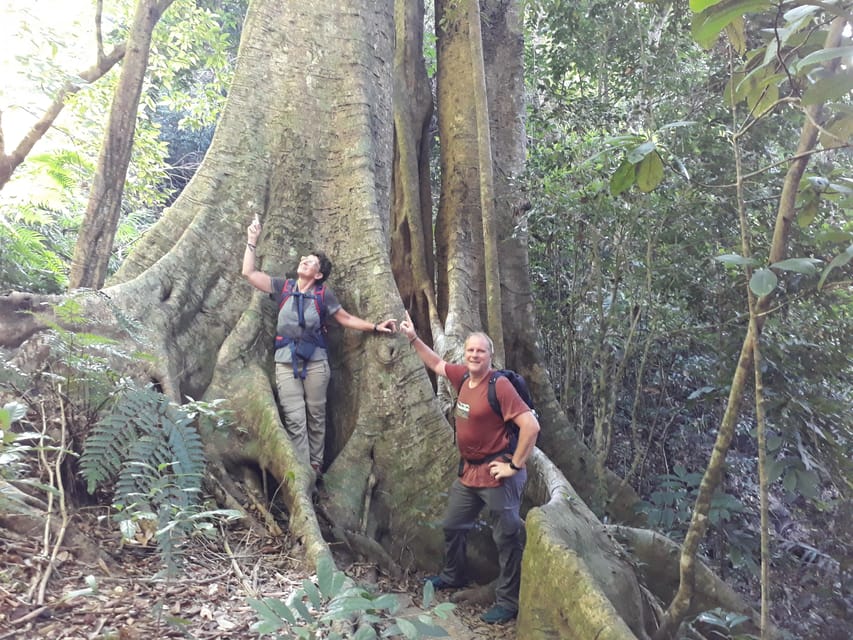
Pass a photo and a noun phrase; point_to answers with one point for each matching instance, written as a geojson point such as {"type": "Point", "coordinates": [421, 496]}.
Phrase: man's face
{"type": "Point", "coordinates": [309, 267]}
{"type": "Point", "coordinates": [478, 358]}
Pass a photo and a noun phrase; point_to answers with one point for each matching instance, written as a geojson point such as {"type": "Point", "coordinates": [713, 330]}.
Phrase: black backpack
{"type": "Point", "coordinates": [521, 387]}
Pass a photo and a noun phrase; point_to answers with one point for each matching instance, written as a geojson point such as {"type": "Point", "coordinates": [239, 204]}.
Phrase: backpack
{"type": "Point", "coordinates": [521, 387]}
{"type": "Point", "coordinates": [303, 348]}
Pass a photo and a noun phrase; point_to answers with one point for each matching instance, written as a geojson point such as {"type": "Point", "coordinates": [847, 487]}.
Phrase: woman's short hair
{"type": "Point", "coordinates": [325, 265]}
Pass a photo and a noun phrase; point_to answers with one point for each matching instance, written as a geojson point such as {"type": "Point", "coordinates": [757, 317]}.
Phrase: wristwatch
{"type": "Point", "coordinates": [513, 467]}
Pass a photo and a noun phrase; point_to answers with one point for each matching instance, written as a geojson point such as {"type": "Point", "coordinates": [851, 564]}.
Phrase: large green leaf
{"type": "Point", "coordinates": [762, 282]}
{"type": "Point", "coordinates": [650, 172]}
{"type": "Point", "coordinates": [698, 6]}
{"type": "Point", "coordinates": [823, 55]}
{"type": "Point", "coordinates": [733, 258]}
{"type": "Point", "coordinates": [808, 213]}
{"type": "Point", "coordinates": [838, 261]}
{"type": "Point", "coordinates": [623, 178]}
{"type": "Point", "coordinates": [639, 152]}
{"type": "Point", "coordinates": [799, 265]}
{"type": "Point", "coordinates": [763, 99]}
{"type": "Point", "coordinates": [829, 86]}
{"type": "Point", "coordinates": [714, 18]}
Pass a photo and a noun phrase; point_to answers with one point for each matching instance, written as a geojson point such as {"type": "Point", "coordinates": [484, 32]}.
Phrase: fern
{"type": "Point", "coordinates": [143, 437]}
{"type": "Point", "coordinates": [149, 450]}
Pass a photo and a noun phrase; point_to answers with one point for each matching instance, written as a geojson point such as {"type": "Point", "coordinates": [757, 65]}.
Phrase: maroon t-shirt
{"type": "Point", "coordinates": [480, 432]}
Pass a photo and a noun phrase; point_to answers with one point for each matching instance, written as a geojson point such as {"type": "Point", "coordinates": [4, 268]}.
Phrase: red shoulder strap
{"type": "Point", "coordinates": [286, 291]}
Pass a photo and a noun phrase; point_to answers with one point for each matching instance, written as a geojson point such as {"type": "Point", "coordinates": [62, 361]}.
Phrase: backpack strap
{"type": "Point", "coordinates": [320, 304]}
{"type": "Point", "coordinates": [286, 291]}
{"type": "Point", "coordinates": [319, 297]}
{"type": "Point", "coordinates": [301, 349]}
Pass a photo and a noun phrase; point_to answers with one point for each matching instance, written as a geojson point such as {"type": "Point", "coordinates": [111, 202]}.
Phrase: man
{"type": "Point", "coordinates": [493, 475]}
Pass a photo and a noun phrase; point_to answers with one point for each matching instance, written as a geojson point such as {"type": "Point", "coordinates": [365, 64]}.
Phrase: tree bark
{"type": "Point", "coordinates": [412, 247]}
{"type": "Point", "coordinates": [491, 263]}
{"type": "Point", "coordinates": [95, 240]}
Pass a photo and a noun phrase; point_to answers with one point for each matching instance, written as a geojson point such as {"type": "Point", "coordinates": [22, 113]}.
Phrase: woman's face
{"type": "Point", "coordinates": [309, 267]}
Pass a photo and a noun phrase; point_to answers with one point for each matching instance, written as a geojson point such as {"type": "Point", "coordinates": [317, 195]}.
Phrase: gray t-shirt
{"type": "Point", "coordinates": [287, 325]}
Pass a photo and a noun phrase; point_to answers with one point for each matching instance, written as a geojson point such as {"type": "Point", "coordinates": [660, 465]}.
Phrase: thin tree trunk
{"type": "Point", "coordinates": [762, 494]}
{"type": "Point", "coordinates": [95, 242]}
{"type": "Point", "coordinates": [412, 248]}
{"type": "Point", "coordinates": [494, 322]}
{"type": "Point", "coordinates": [786, 213]}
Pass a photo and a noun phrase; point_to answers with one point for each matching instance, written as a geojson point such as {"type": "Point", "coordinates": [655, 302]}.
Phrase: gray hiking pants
{"type": "Point", "coordinates": [502, 505]}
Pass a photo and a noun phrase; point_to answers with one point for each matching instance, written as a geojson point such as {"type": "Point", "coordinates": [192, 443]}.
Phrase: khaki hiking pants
{"type": "Point", "coordinates": [304, 405]}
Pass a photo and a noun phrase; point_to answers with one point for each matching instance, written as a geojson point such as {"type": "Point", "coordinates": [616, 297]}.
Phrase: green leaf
{"type": "Point", "coordinates": [650, 172]}
{"type": "Point", "coordinates": [834, 236]}
{"type": "Point", "coordinates": [429, 593]}
{"type": "Point", "coordinates": [823, 55]}
{"type": "Point", "coordinates": [17, 410]}
{"type": "Point", "coordinates": [678, 123]}
{"type": "Point", "coordinates": [639, 152]}
{"type": "Point", "coordinates": [444, 609]}
{"type": "Point", "coordinates": [425, 628]}
{"type": "Point", "coordinates": [698, 6]}
{"type": "Point", "coordinates": [270, 611]}
{"type": "Point", "coordinates": [799, 265]}
{"type": "Point", "coordinates": [325, 576]}
{"type": "Point", "coordinates": [297, 604]}
{"type": "Point", "coordinates": [623, 178]}
{"type": "Point", "coordinates": [762, 99]}
{"type": "Point", "coordinates": [775, 469]}
{"type": "Point", "coordinates": [838, 261]}
{"type": "Point", "coordinates": [714, 17]}
{"type": "Point", "coordinates": [365, 632]}
{"type": "Point", "coordinates": [808, 213]}
{"type": "Point", "coordinates": [736, 33]}
{"type": "Point", "coordinates": [829, 86]}
{"type": "Point", "coordinates": [733, 258]}
{"type": "Point", "coordinates": [838, 131]}
{"type": "Point", "coordinates": [387, 601]}
{"type": "Point", "coordinates": [762, 282]}
{"type": "Point", "coordinates": [409, 630]}
{"type": "Point", "coordinates": [789, 481]}
{"type": "Point", "coordinates": [313, 593]}
{"type": "Point", "coordinates": [807, 484]}
{"type": "Point", "coordinates": [623, 140]}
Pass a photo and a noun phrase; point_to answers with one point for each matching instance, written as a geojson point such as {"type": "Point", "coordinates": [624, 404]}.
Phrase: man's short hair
{"type": "Point", "coordinates": [488, 340]}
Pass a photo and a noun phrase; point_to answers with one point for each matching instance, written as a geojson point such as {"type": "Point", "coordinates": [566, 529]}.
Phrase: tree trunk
{"type": "Point", "coordinates": [95, 241]}
{"type": "Point", "coordinates": [491, 263]}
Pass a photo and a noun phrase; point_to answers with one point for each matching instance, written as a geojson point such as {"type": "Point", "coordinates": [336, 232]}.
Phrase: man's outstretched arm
{"type": "Point", "coordinates": [429, 357]}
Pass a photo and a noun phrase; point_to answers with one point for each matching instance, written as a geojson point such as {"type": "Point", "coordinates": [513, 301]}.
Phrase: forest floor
{"type": "Point", "coordinates": [208, 599]}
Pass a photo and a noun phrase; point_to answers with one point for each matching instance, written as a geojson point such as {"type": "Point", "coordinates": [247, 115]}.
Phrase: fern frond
{"type": "Point", "coordinates": [185, 444]}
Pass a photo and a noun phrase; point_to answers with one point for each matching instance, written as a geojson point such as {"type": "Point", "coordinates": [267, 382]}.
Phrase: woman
{"type": "Point", "coordinates": [301, 355]}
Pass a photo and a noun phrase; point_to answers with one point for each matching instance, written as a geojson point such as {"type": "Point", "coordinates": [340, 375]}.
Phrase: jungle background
{"type": "Point", "coordinates": [649, 158]}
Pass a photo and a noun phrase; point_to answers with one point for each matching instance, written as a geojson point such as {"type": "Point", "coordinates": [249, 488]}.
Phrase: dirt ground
{"type": "Point", "coordinates": [208, 599]}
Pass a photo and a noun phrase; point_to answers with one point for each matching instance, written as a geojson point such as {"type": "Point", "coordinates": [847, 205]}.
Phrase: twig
{"type": "Point", "coordinates": [63, 510]}
{"type": "Point", "coordinates": [240, 575]}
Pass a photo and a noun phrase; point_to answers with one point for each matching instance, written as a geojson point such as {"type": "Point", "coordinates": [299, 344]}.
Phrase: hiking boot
{"type": "Point", "coordinates": [498, 615]}
{"type": "Point", "coordinates": [440, 585]}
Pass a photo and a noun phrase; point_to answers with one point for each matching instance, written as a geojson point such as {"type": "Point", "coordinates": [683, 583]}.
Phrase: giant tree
{"type": "Point", "coordinates": [332, 152]}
